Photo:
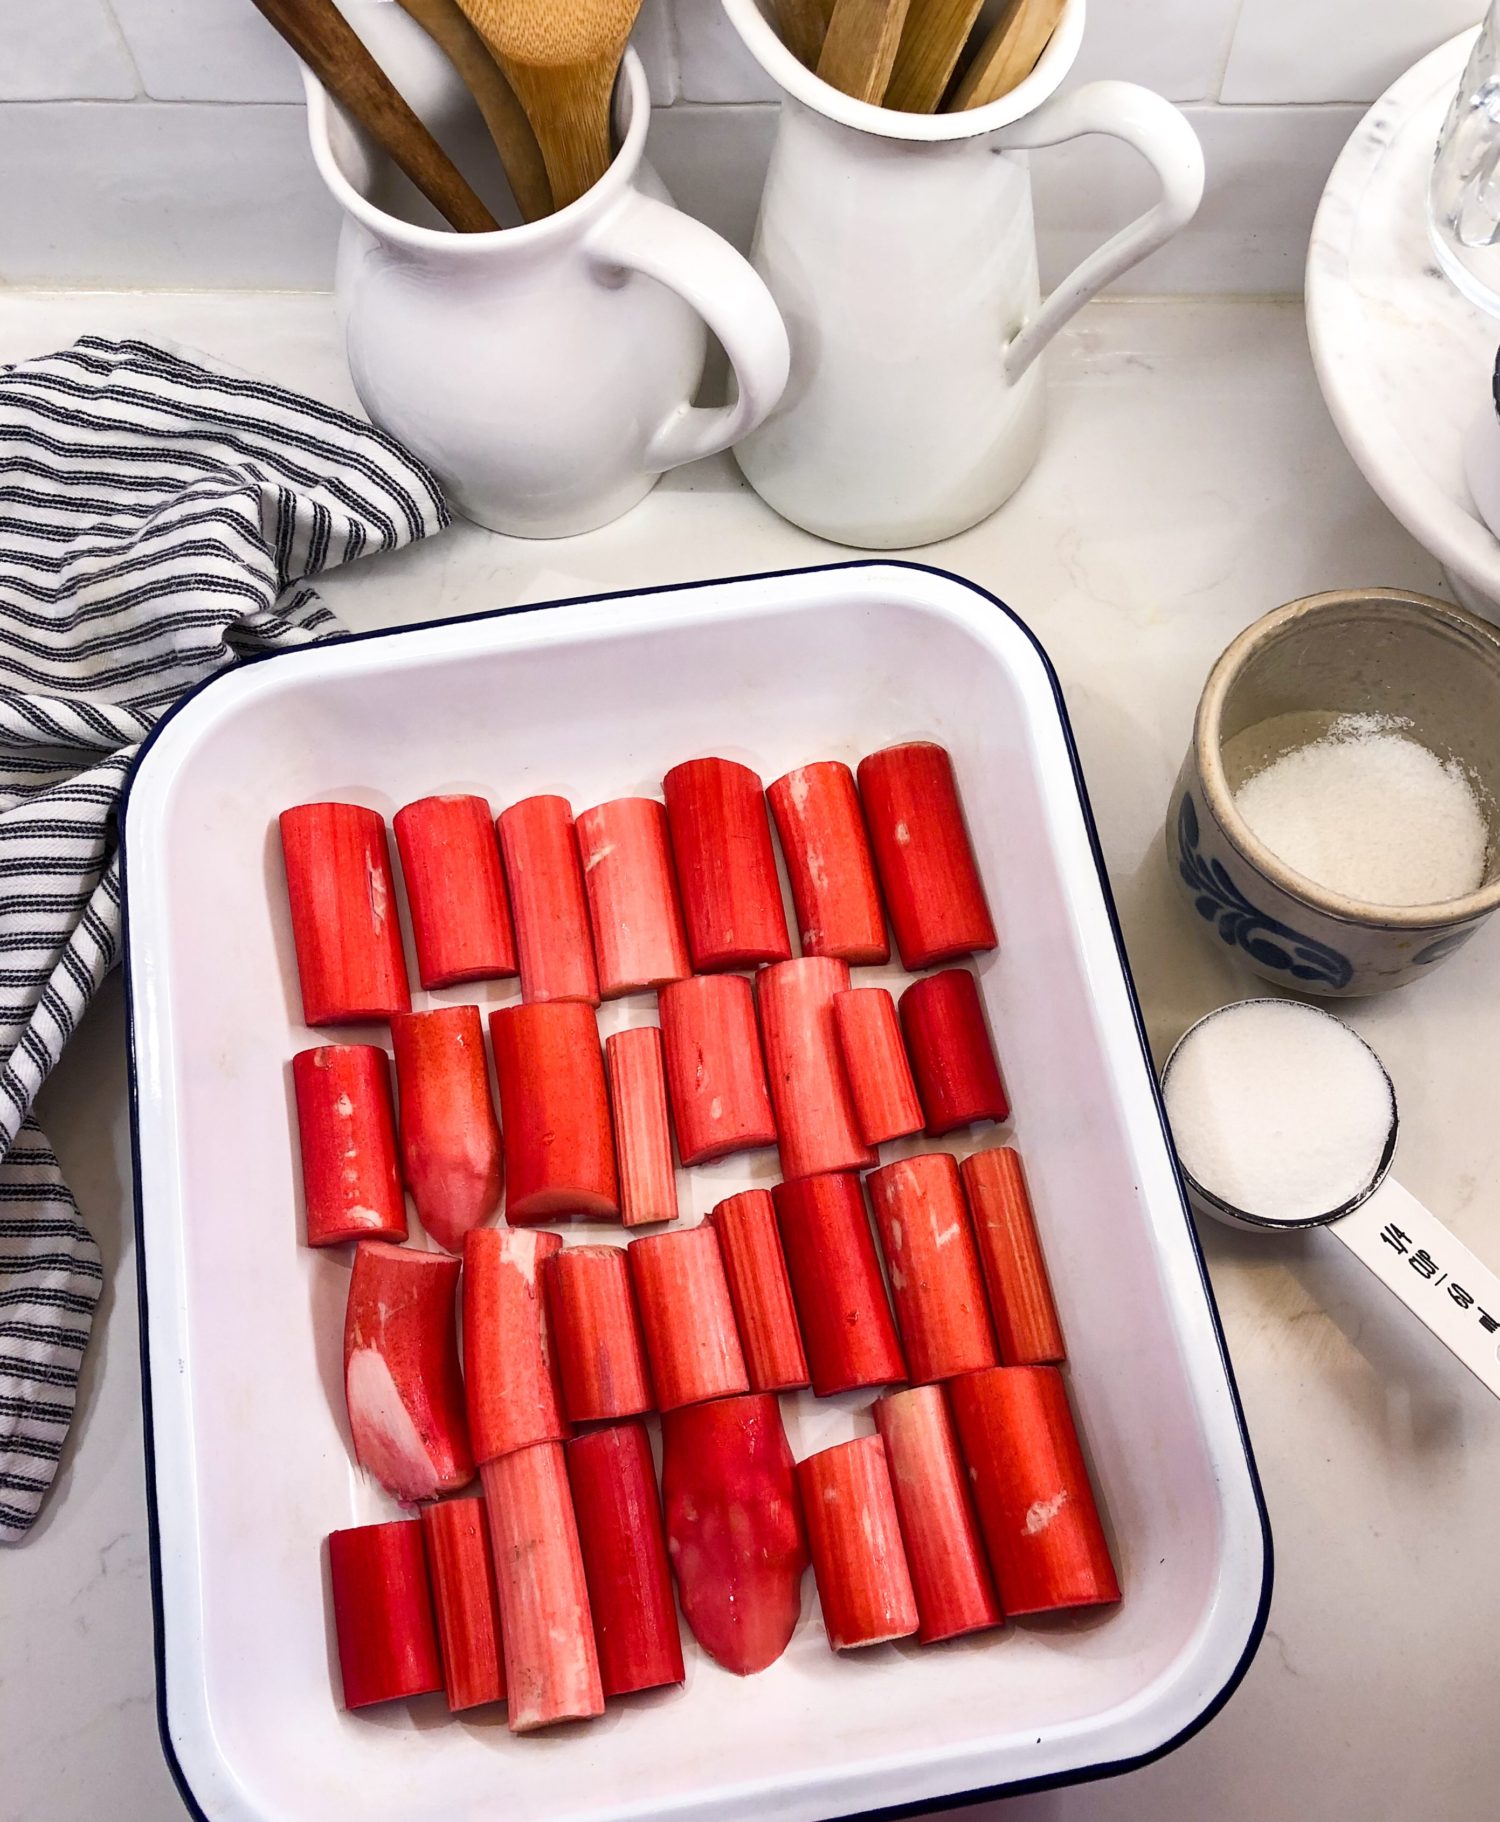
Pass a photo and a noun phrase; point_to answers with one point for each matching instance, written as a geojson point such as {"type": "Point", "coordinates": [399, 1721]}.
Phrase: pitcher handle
{"type": "Point", "coordinates": [1162, 135]}
{"type": "Point", "coordinates": [650, 237]}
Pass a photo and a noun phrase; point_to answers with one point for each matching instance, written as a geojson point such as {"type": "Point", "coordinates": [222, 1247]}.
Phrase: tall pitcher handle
{"type": "Point", "coordinates": [650, 237]}
{"type": "Point", "coordinates": [1161, 134]}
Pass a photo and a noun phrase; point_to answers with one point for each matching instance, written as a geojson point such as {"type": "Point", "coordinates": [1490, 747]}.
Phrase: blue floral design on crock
{"type": "Point", "coordinates": [1274, 945]}
{"type": "Point", "coordinates": [1445, 945]}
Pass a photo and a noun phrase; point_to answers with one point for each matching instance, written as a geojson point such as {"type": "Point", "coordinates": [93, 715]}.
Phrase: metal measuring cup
{"type": "Point", "coordinates": [1443, 1284]}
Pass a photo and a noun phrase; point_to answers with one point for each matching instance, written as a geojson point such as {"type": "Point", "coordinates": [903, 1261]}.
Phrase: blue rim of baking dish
{"type": "Point", "coordinates": [928, 1805]}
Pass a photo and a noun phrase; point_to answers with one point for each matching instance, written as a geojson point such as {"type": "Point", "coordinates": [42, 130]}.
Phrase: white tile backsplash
{"type": "Point", "coordinates": [1177, 47]}
{"type": "Point", "coordinates": [712, 63]}
{"type": "Point", "coordinates": [1334, 50]}
{"type": "Point", "coordinates": [207, 50]}
{"type": "Point", "coordinates": [63, 50]}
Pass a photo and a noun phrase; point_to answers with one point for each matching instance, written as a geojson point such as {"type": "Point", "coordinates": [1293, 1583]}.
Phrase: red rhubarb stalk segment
{"type": "Point", "coordinates": [760, 1291]}
{"type": "Point", "coordinates": [879, 1076]}
{"type": "Point", "coordinates": [932, 1266]}
{"type": "Point", "coordinates": [463, 1592]}
{"type": "Point", "coordinates": [636, 1066]}
{"type": "Point", "coordinates": [1036, 1509]}
{"type": "Point", "coordinates": [716, 1081]}
{"type": "Point", "coordinates": [346, 1128]}
{"type": "Point", "coordinates": [858, 1557]}
{"type": "Point", "coordinates": [553, 943]}
{"type": "Point", "coordinates": [510, 1362]}
{"type": "Point", "coordinates": [554, 1113]}
{"type": "Point", "coordinates": [955, 1593]}
{"type": "Point", "coordinates": [1014, 1267]}
{"type": "Point", "coordinates": [687, 1317]}
{"type": "Point", "coordinates": [639, 940]}
{"type": "Point", "coordinates": [625, 1558]}
{"type": "Point", "coordinates": [345, 925]}
{"type": "Point", "coordinates": [596, 1333]}
{"type": "Point", "coordinates": [927, 870]}
{"type": "Point", "coordinates": [726, 866]}
{"type": "Point", "coordinates": [952, 1057]}
{"type": "Point", "coordinates": [734, 1527]}
{"type": "Point", "coordinates": [551, 1666]}
{"type": "Point", "coordinates": [401, 1377]}
{"type": "Point", "coordinates": [827, 851]}
{"type": "Point", "coordinates": [382, 1613]}
{"type": "Point", "coordinates": [815, 1128]}
{"type": "Point", "coordinates": [455, 891]}
{"type": "Point", "coordinates": [450, 1142]}
{"type": "Point", "coordinates": [841, 1304]}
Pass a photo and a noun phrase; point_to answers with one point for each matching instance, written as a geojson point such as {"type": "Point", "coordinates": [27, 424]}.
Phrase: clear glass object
{"type": "Point", "coordinates": [1463, 202]}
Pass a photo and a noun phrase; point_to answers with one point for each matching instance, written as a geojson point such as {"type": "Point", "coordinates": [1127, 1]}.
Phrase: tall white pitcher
{"type": "Point", "coordinates": [902, 253]}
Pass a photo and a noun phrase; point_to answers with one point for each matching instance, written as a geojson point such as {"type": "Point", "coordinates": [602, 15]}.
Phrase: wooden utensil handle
{"type": "Point", "coordinates": [330, 47]}
{"type": "Point", "coordinates": [932, 40]}
{"type": "Point", "coordinates": [1009, 54]}
{"type": "Point", "coordinates": [803, 25]}
{"type": "Point", "coordinates": [861, 46]}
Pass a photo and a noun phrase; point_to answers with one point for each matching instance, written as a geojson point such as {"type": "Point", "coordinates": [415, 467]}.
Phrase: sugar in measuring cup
{"type": "Point", "coordinates": [1285, 1118]}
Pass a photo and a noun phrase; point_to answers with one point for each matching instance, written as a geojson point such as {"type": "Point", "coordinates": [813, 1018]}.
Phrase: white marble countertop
{"type": "Point", "coordinates": [1191, 481]}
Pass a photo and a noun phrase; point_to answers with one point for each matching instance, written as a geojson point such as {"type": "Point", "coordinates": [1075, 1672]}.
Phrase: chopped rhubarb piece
{"type": "Point", "coordinates": [880, 1080]}
{"type": "Point", "coordinates": [858, 1557]}
{"type": "Point", "coordinates": [760, 1291]}
{"type": "Point", "coordinates": [955, 1593]}
{"type": "Point", "coordinates": [635, 1064]}
{"type": "Point", "coordinates": [401, 1377]}
{"type": "Point", "coordinates": [556, 951]}
{"type": "Point", "coordinates": [551, 1666]}
{"type": "Point", "coordinates": [554, 1113]}
{"type": "Point", "coordinates": [382, 1613]}
{"type": "Point", "coordinates": [510, 1363]}
{"type": "Point", "coordinates": [927, 869]}
{"type": "Point", "coordinates": [687, 1317]}
{"type": "Point", "coordinates": [455, 891]}
{"type": "Point", "coordinates": [596, 1333]}
{"type": "Point", "coordinates": [639, 940]}
{"type": "Point", "coordinates": [346, 1127]}
{"type": "Point", "coordinates": [726, 866]}
{"type": "Point", "coordinates": [450, 1142]}
{"type": "Point", "coordinates": [468, 1611]}
{"type": "Point", "coordinates": [952, 1057]}
{"type": "Point", "coordinates": [734, 1527]}
{"type": "Point", "coordinates": [1014, 1267]}
{"type": "Point", "coordinates": [1036, 1508]}
{"type": "Point", "coordinates": [933, 1268]}
{"type": "Point", "coordinates": [815, 1126]}
{"type": "Point", "coordinates": [841, 1304]}
{"type": "Point", "coordinates": [716, 1081]}
{"type": "Point", "coordinates": [345, 925]}
{"type": "Point", "coordinates": [625, 1558]}
{"type": "Point", "coordinates": [827, 852]}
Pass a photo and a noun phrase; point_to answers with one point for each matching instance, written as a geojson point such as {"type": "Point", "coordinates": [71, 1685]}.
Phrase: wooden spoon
{"type": "Point", "coordinates": [803, 25]}
{"type": "Point", "coordinates": [860, 46]}
{"type": "Point", "coordinates": [330, 47]}
{"type": "Point", "coordinates": [932, 40]}
{"type": "Point", "coordinates": [444, 22]}
{"type": "Point", "coordinates": [561, 58]}
{"type": "Point", "coordinates": [1009, 54]}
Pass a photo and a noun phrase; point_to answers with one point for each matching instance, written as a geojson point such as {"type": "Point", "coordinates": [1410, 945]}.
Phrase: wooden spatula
{"type": "Point", "coordinates": [803, 25]}
{"type": "Point", "coordinates": [932, 39]}
{"type": "Point", "coordinates": [860, 46]}
{"type": "Point", "coordinates": [444, 22]}
{"type": "Point", "coordinates": [561, 57]}
{"type": "Point", "coordinates": [330, 47]}
{"type": "Point", "coordinates": [1009, 54]}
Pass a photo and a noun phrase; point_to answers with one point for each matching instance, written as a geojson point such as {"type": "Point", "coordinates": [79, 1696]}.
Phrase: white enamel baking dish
{"type": "Point", "coordinates": [249, 1465]}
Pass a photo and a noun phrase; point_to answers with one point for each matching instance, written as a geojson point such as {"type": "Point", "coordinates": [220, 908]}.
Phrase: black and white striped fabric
{"type": "Point", "coordinates": [159, 517]}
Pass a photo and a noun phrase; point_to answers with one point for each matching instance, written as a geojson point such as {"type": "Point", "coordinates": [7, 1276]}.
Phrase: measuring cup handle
{"type": "Point", "coordinates": [1163, 137]}
{"type": "Point", "coordinates": [647, 236]}
{"type": "Point", "coordinates": [1435, 1275]}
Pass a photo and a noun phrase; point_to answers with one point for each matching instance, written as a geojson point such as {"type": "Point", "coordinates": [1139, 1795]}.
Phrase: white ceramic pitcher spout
{"type": "Point", "coordinates": [544, 372]}
{"type": "Point", "coordinates": [902, 252]}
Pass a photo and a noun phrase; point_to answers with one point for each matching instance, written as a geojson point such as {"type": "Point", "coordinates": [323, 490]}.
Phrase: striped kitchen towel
{"type": "Point", "coordinates": [159, 518]}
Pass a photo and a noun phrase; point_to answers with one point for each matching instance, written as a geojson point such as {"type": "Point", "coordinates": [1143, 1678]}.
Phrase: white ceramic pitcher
{"type": "Point", "coordinates": [902, 252]}
{"type": "Point", "coordinates": [544, 372]}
